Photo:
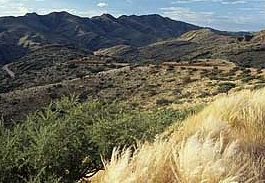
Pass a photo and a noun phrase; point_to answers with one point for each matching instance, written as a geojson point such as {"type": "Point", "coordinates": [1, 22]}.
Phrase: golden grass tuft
{"type": "Point", "coordinates": [224, 143]}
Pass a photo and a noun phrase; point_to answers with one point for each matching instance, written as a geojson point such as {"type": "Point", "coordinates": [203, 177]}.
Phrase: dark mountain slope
{"type": "Point", "coordinates": [31, 31]}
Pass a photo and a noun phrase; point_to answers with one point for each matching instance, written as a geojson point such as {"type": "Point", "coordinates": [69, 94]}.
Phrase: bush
{"type": "Point", "coordinates": [247, 71]}
{"type": "Point", "coordinates": [215, 70]}
{"type": "Point", "coordinates": [259, 86]}
{"type": "Point", "coordinates": [183, 68]}
{"type": "Point", "coordinates": [170, 68]}
{"type": "Point", "coordinates": [65, 141]}
{"type": "Point", "coordinates": [163, 102]}
{"type": "Point", "coordinates": [234, 69]}
{"type": "Point", "coordinates": [80, 75]}
{"type": "Point", "coordinates": [97, 69]}
{"type": "Point", "coordinates": [72, 66]}
{"type": "Point", "coordinates": [226, 87]}
{"type": "Point", "coordinates": [247, 78]}
{"type": "Point", "coordinates": [186, 80]}
{"type": "Point", "coordinates": [259, 71]}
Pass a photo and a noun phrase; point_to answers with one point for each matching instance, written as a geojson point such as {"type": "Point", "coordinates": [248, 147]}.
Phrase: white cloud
{"type": "Point", "coordinates": [102, 5]}
{"type": "Point", "coordinates": [233, 21]}
{"type": "Point", "coordinates": [87, 13]}
{"type": "Point", "coordinates": [194, 1]}
{"type": "Point", "coordinates": [228, 2]}
{"type": "Point", "coordinates": [250, 8]}
{"type": "Point", "coordinates": [8, 7]}
{"type": "Point", "coordinates": [11, 7]}
{"type": "Point", "coordinates": [186, 14]}
{"type": "Point", "coordinates": [234, 2]}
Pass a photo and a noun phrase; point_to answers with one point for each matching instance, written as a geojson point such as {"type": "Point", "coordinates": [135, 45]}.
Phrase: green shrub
{"type": "Point", "coordinates": [259, 71]}
{"type": "Point", "coordinates": [183, 68]}
{"type": "Point", "coordinates": [234, 69]}
{"type": "Point", "coordinates": [97, 69]}
{"type": "Point", "coordinates": [170, 68]}
{"type": "Point", "coordinates": [80, 75]}
{"type": "Point", "coordinates": [259, 86]}
{"type": "Point", "coordinates": [247, 78]}
{"type": "Point", "coordinates": [163, 102]}
{"type": "Point", "coordinates": [225, 87]}
{"type": "Point", "coordinates": [72, 66]}
{"type": "Point", "coordinates": [66, 140]}
{"type": "Point", "coordinates": [186, 80]}
{"type": "Point", "coordinates": [247, 71]}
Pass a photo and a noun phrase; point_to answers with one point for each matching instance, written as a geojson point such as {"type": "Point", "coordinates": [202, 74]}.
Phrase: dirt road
{"type": "Point", "coordinates": [11, 73]}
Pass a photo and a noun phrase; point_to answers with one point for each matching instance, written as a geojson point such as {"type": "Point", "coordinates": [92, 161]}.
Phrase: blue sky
{"type": "Point", "coordinates": [232, 15]}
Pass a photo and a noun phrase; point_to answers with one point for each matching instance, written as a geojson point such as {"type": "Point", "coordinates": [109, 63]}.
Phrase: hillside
{"type": "Point", "coordinates": [146, 86]}
{"type": "Point", "coordinates": [66, 140]}
{"type": "Point", "coordinates": [18, 35]}
{"type": "Point", "coordinates": [246, 51]}
{"type": "Point", "coordinates": [222, 143]}
{"type": "Point", "coordinates": [52, 64]}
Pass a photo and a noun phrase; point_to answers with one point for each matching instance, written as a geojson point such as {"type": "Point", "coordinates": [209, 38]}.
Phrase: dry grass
{"type": "Point", "coordinates": [224, 143]}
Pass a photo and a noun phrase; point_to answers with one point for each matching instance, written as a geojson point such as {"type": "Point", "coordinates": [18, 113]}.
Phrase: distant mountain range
{"type": "Point", "coordinates": [18, 35]}
{"type": "Point", "coordinates": [130, 38]}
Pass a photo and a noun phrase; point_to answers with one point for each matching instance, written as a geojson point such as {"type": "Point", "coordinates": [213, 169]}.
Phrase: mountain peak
{"type": "Point", "coordinates": [107, 16]}
{"type": "Point", "coordinates": [32, 14]}
{"type": "Point", "coordinates": [61, 13]}
{"type": "Point", "coordinates": [153, 15]}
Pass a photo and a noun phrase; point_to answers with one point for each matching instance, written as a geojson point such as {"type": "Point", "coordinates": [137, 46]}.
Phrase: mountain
{"type": "Point", "coordinates": [18, 35]}
{"type": "Point", "coordinates": [247, 50]}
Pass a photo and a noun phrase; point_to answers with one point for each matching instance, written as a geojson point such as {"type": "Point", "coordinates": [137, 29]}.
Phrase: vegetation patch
{"type": "Point", "coordinates": [66, 140]}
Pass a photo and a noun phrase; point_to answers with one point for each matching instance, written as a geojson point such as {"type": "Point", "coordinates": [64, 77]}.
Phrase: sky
{"type": "Point", "coordinates": [229, 15]}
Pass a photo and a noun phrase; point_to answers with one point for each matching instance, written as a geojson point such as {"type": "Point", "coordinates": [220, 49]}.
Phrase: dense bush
{"type": "Point", "coordinates": [246, 77]}
{"type": "Point", "coordinates": [72, 66]}
{"type": "Point", "coordinates": [225, 87]}
{"type": "Point", "coordinates": [66, 140]}
{"type": "Point", "coordinates": [186, 80]}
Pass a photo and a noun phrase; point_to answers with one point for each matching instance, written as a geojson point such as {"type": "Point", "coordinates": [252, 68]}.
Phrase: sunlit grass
{"type": "Point", "coordinates": [223, 143]}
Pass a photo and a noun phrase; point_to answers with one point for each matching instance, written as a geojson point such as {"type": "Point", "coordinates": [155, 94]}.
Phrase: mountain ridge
{"type": "Point", "coordinates": [28, 32]}
{"type": "Point", "coordinates": [246, 51]}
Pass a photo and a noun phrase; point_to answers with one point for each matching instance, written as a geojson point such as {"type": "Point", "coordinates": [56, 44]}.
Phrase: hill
{"type": "Point", "coordinates": [18, 35]}
{"type": "Point", "coordinates": [145, 86]}
{"type": "Point", "coordinates": [227, 136]}
{"type": "Point", "coordinates": [246, 51]}
{"type": "Point", "coordinates": [52, 64]}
